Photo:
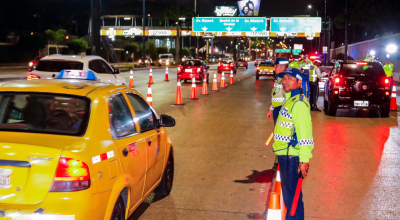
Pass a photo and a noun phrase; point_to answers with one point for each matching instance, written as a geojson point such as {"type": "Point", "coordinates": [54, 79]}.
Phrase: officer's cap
{"type": "Point", "coordinates": [291, 71]}
{"type": "Point", "coordinates": [281, 60]}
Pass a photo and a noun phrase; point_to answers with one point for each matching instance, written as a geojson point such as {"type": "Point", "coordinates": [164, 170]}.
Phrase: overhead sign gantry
{"type": "Point", "coordinates": [231, 24]}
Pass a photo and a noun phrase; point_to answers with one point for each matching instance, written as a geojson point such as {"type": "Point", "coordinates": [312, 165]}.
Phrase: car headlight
{"type": "Point", "coordinates": [146, 61]}
{"type": "Point", "coordinates": [140, 60]}
{"type": "Point", "coordinates": [160, 60]}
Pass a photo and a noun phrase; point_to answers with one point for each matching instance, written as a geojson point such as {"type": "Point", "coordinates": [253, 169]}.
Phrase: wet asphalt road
{"type": "Point", "coordinates": [223, 168]}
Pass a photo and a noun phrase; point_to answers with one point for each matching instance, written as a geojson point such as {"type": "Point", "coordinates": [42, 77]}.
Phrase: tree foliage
{"type": "Point", "coordinates": [77, 45]}
{"type": "Point", "coordinates": [185, 51]}
{"type": "Point", "coordinates": [161, 50]}
{"type": "Point", "coordinates": [131, 47]}
{"type": "Point", "coordinates": [150, 48]}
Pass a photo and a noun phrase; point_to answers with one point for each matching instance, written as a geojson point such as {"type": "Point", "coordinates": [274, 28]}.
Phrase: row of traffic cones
{"type": "Point", "coordinates": [150, 77]}
{"type": "Point", "coordinates": [193, 95]}
{"type": "Point", "coordinates": [276, 206]}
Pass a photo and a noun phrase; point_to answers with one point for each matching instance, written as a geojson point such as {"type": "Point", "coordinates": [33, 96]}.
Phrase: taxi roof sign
{"type": "Point", "coordinates": [267, 61]}
{"type": "Point", "coordinates": [76, 74]}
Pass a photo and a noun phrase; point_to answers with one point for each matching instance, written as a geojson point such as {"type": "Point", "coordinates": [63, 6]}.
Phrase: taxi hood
{"type": "Point", "coordinates": [28, 163]}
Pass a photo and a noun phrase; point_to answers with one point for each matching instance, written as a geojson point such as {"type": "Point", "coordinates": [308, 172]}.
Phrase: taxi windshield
{"type": "Point", "coordinates": [44, 113]}
{"type": "Point", "coordinates": [57, 66]}
{"type": "Point", "coordinates": [267, 64]}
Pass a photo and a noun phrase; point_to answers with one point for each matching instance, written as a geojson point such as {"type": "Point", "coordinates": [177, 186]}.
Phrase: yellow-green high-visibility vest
{"type": "Point", "coordinates": [313, 74]}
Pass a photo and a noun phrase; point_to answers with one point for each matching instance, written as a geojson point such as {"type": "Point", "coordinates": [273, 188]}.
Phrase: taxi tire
{"type": "Point", "coordinates": [165, 187]}
{"type": "Point", "coordinates": [118, 212]}
{"type": "Point", "coordinates": [247, 67]}
{"type": "Point", "coordinates": [385, 111]}
{"type": "Point", "coordinates": [332, 108]}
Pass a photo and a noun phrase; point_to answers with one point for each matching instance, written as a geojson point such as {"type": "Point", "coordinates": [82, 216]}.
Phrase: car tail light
{"type": "Point", "coordinates": [337, 80]}
{"type": "Point", "coordinates": [30, 64]}
{"type": "Point", "coordinates": [71, 175]}
{"type": "Point", "coordinates": [179, 69]}
{"type": "Point", "coordinates": [336, 92]}
{"type": "Point", "coordinates": [199, 70]}
{"type": "Point", "coordinates": [387, 93]}
{"type": "Point", "coordinates": [219, 63]}
{"type": "Point", "coordinates": [231, 65]}
{"type": "Point", "coordinates": [362, 63]}
{"type": "Point", "coordinates": [386, 81]}
{"type": "Point", "coordinates": [319, 80]}
{"type": "Point", "coordinates": [140, 60]}
{"type": "Point", "coordinates": [32, 77]}
{"type": "Point", "coordinates": [258, 68]}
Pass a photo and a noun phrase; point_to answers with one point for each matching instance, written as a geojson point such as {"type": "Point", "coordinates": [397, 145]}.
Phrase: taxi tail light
{"type": "Point", "coordinates": [199, 70]}
{"type": "Point", "coordinates": [258, 68]}
{"type": "Point", "coordinates": [179, 69]}
{"type": "Point", "coordinates": [219, 63]}
{"type": "Point", "coordinates": [71, 175]}
{"type": "Point", "coordinates": [319, 80]}
{"type": "Point", "coordinates": [32, 77]}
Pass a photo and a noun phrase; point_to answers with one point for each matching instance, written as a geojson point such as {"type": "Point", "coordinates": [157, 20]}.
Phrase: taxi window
{"type": "Point", "coordinates": [267, 64]}
{"type": "Point", "coordinates": [120, 117]}
{"type": "Point", "coordinates": [147, 120]}
{"type": "Point", "coordinates": [44, 113]}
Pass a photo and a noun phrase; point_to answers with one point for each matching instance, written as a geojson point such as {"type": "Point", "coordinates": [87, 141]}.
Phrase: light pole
{"type": "Point", "coordinates": [345, 37]}
{"type": "Point", "coordinates": [95, 28]}
{"type": "Point", "coordinates": [143, 27]}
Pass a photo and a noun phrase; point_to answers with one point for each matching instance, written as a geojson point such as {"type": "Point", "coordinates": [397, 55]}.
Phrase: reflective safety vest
{"type": "Point", "coordinates": [293, 130]}
{"type": "Point", "coordinates": [294, 64]}
{"type": "Point", "coordinates": [278, 95]}
{"type": "Point", "coordinates": [306, 67]}
{"type": "Point", "coordinates": [313, 74]}
{"type": "Point", "coordinates": [368, 59]}
{"type": "Point", "coordinates": [388, 69]}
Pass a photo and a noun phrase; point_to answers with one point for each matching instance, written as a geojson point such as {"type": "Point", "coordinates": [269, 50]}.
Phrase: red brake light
{"type": "Point", "coordinates": [320, 80]}
{"type": "Point", "coordinates": [199, 70]}
{"type": "Point", "coordinates": [32, 77]}
{"type": "Point", "coordinates": [219, 63]}
{"type": "Point", "coordinates": [71, 175]}
{"type": "Point", "coordinates": [179, 69]}
{"type": "Point", "coordinates": [362, 63]}
{"type": "Point", "coordinates": [231, 64]}
{"type": "Point", "coordinates": [30, 64]}
{"type": "Point", "coordinates": [387, 81]}
{"type": "Point", "coordinates": [337, 80]}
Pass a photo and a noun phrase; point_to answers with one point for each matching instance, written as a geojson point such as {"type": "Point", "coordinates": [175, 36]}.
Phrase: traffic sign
{"type": "Point", "coordinates": [296, 24]}
{"type": "Point", "coordinates": [325, 49]}
{"type": "Point", "coordinates": [211, 24]}
{"type": "Point", "coordinates": [282, 50]}
{"type": "Point", "coordinates": [296, 51]}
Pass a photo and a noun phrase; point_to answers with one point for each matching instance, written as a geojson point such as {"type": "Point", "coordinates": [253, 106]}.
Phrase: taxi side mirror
{"type": "Point", "coordinates": [116, 71]}
{"type": "Point", "coordinates": [166, 121]}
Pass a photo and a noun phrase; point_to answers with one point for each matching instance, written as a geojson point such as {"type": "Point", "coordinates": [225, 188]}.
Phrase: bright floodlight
{"type": "Point", "coordinates": [391, 48]}
{"type": "Point", "coordinates": [309, 6]}
{"type": "Point", "coordinates": [388, 56]}
{"type": "Point", "coordinates": [372, 53]}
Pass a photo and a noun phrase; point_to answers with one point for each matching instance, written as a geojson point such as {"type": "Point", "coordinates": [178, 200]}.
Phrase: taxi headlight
{"type": "Point", "coordinates": [160, 60]}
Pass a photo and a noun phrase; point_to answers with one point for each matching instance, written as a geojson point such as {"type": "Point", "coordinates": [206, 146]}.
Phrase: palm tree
{"type": "Point", "coordinates": [174, 13]}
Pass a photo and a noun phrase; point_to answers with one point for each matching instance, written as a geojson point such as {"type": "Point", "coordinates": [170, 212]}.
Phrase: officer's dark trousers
{"type": "Point", "coordinates": [314, 87]}
{"type": "Point", "coordinates": [289, 179]}
{"type": "Point", "coordinates": [275, 113]}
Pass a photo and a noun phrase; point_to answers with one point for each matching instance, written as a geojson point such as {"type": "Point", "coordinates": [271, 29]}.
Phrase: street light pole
{"type": "Point", "coordinates": [95, 28]}
{"type": "Point", "coordinates": [143, 27]}
{"type": "Point", "coordinates": [345, 38]}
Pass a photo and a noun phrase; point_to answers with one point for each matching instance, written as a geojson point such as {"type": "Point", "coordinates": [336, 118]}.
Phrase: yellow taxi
{"type": "Point", "coordinates": [265, 68]}
{"type": "Point", "coordinates": [79, 149]}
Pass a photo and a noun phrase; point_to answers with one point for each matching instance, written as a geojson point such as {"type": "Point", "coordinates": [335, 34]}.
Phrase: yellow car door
{"type": "Point", "coordinates": [152, 134]}
{"type": "Point", "coordinates": [130, 144]}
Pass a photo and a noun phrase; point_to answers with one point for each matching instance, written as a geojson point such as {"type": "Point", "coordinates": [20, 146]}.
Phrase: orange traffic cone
{"type": "Point", "coordinates": [193, 95]}
{"type": "Point", "coordinates": [178, 99]}
{"type": "Point", "coordinates": [278, 185]}
{"type": "Point", "coordinates": [166, 75]}
{"type": "Point", "coordinates": [215, 85]}
{"type": "Point", "coordinates": [151, 76]}
{"type": "Point", "coordinates": [131, 79]}
{"type": "Point", "coordinates": [231, 78]}
{"type": "Point", "coordinates": [393, 100]}
{"type": "Point", "coordinates": [205, 89]}
{"type": "Point", "coordinates": [223, 80]}
{"type": "Point", "coordinates": [149, 96]}
{"type": "Point", "coordinates": [274, 207]}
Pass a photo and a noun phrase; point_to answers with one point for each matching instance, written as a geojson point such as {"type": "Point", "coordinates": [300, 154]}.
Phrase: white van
{"type": "Point", "coordinates": [166, 59]}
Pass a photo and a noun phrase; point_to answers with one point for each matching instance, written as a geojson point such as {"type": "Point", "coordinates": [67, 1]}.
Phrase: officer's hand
{"type": "Point", "coordinates": [303, 168]}
{"type": "Point", "coordinates": [269, 115]}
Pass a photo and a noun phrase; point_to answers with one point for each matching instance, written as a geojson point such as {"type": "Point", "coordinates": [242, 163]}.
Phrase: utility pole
{"type": "Point", "coordinates": [95, 29]}
{"type": "Point", "coordinates": [345, 38]}
{"type": "Point", "coordinates": [324, 41]}
{"type": "Point", "coordinates": [197, 38]}
{"type": "Point", "coordinates": [143, 27]}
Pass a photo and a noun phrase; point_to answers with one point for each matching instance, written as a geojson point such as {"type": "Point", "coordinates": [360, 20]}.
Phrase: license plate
{"type": "Point", "coordinates": [5, 178]}
{"type": "Point", "coordinates": [225, 64]}
{"type": "Point", "coordinates": [361, 103]}
{"type": "Point", "coordinates": [188, 70]}
{"type": "Point", "coordinates": [240, 64]}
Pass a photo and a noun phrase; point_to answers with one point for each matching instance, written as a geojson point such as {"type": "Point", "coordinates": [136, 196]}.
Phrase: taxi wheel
{"type": "Point", "coordinates": [332, 108]}
{"type": "Point", "coordinates": [247, 67]}
{"type": "Point", "coordinates": [119, 210]}
{"type": "Point", "coordinates": [165, 187]}
{"type": "Point", "coordinates": [385, 110]}
{"type": "Point", "coordinates": [257, 76]}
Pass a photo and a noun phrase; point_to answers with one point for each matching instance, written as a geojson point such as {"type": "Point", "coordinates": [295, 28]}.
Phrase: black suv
{"type": "Point", "coordinates": [358, 84]}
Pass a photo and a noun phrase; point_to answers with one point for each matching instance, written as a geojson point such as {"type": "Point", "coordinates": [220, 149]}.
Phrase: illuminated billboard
{"type": "Point", "coordinates": [249, 7]}
{"type": "Point", "coordinates": [227, 11]}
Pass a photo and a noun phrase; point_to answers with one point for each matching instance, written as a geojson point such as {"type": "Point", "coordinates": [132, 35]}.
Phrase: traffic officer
{"type": "Point", "coordinates": [305, 68]}
{"type": "Point", "coordinates": [315, 75]}
{"type": "Point", "coordinates": [293, 139]}
{"type": "Point", "coordinates": [277, 94]}
{"type": "Point", "coordinates": [368, 58]}
{"type": "Point", "coordinates": [388, 67]}
{"type": "Point", "coordinates": [295, 63]}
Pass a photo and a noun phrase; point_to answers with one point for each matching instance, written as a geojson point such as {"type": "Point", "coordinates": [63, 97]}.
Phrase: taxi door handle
{"type": "Point", "coordinates": [149, 142]}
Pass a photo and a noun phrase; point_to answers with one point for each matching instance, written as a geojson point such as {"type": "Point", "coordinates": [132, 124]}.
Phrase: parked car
{"type": "Point", "coordinates": [226, 65]}
{"type": "Point", "coordinates": [34, 62]}
{"type": "Point", "coordinates": [241, 62]}
{"type": "Point", "coordinates": [325, 71]}
{"type": "Point", "coordinates": [358, 84]}
{"type": "Point", "coordinates": [166, 59]}
{"type": "Point", "coordinates": [50, 66]}
{"type": "Point", "coordinates": [190, 69]}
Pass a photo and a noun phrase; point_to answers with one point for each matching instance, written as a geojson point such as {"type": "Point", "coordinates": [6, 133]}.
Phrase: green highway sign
{"type": "Point", "coordinates": [229, 24]}
{"type": "Point", "coordinates": [282, 50]}
{"type": "Point", "coordinates": [296, 24]}
{"type": "Point", "coordinates": [296, 51]}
